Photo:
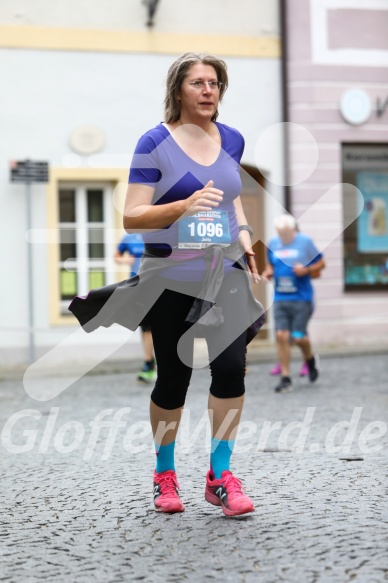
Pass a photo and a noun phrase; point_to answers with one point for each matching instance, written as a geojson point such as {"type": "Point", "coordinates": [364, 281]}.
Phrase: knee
{"type": "Point", "coordinates": [171, 387]}
{"type": "Point", "coordinates": [228, 380]}
{"type": "Point", "coordinates": [299, 340]}
{"type": "Point", "coordinates": [283, 336]}
{"type": "Point", "coordinates": [230, 390]}
{"type": "Point", "coordinates": [169, 397]}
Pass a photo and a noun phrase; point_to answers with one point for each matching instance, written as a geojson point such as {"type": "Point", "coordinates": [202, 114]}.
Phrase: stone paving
{"type": "Point", "coordinates": [76, 505]}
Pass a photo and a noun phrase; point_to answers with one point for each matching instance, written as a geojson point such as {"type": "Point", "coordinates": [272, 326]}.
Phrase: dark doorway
{"type": "Point", "coordinates": [252, 198]}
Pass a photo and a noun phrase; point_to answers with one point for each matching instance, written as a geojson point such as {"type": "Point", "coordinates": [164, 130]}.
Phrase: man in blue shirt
{"type": "Point", "coordinates": [292, 260]}
{"type": "Point", "coordinates": [129, 252]}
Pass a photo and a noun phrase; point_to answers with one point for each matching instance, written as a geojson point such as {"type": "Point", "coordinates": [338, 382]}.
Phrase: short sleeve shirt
{"type": "Point", "coordinates": [160, 162]}
{"type": "Point", "coordinates": [133, 244]}
{"type": "Point", "coordinates": [289, 287]}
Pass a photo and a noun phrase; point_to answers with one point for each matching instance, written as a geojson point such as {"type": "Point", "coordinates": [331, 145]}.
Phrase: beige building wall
{"type": "Point", "coordinates": [249, 29]}
{"type": "Point", "coordinates": [334, 46]}
{"type": "Point", "coordinates": [67, 65]}
{"type": "Point", "coordinates": [223, 17]}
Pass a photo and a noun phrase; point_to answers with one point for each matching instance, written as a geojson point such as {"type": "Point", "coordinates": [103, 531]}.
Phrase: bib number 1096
{"type": "Point", "coordinates": [206, 229]}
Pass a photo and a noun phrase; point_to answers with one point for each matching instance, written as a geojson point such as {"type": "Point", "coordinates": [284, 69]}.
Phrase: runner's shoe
{"type": "Point", "coordinates": [147, 376]}
{"type": "Point", "coordinates": [227, 492]}
{"type": "Point", "coordinates": [284, 385]}
{"type": "Point", "coordinates": [313, 366]}
{"type": "Point", "coordinates": [276, 370]}
{"type": "Point", "coordinates": [166, 492]}
{"type": "Point", "coordinates": [304, 370]}
{"type": "Point", "coordinates": [148, 372]}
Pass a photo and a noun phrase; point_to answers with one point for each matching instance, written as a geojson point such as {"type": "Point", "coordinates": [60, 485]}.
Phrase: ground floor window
{"type": "Point", "coordinates": [85, 249]}
{"type": "Point", "coordinates": [366, 239]}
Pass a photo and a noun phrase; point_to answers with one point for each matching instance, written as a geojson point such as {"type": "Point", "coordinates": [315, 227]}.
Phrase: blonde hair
{"type": "Point", "coordinates": [177, 74]}
{"type": "Point", "coordinates": [285, 221]}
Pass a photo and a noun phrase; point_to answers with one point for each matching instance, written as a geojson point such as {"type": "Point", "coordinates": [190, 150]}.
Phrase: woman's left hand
{"type": "Point", "coordinates": [244, 239]}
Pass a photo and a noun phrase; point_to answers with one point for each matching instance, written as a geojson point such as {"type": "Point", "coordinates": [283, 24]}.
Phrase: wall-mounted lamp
{"type": "Point", "coordinates": [151, 9]}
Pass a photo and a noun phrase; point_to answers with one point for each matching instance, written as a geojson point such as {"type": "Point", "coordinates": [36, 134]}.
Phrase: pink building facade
{"type": "Point", "coordinates": [336, 59]}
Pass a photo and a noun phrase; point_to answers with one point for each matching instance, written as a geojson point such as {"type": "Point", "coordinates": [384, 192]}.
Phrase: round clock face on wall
{"type": "Point", "coordinates": [87, 140]}
{"type": "Point", "coordinates": [355, 106]}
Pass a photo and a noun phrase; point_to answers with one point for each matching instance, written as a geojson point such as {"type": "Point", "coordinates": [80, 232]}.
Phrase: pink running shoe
{"type": "Point", "coordinates": [304, 370]}
{"type": "Point", "coordinates": [166, 492]}
{"type": "Point", "coordinates": [276, 370]}
{"type": "Point", "coordinates": [227, 492]}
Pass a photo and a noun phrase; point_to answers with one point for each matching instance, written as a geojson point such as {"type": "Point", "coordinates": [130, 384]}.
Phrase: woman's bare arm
{"type": "Point", "coordinates": [140, 214]}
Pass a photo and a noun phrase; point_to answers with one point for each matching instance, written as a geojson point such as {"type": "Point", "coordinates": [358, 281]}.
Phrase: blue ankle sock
{"type": "Point", "coordinates": [221, 451]}
{"type": "Point", "coordinates": [165, 457]}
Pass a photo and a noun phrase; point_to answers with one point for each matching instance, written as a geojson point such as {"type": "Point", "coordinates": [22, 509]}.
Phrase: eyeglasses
{"type": "Point", "coordinates": [202, 84]}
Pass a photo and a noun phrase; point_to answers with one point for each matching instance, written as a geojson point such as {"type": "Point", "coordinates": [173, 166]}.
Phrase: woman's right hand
{"type": "Point", "coordinates": [203, 200]}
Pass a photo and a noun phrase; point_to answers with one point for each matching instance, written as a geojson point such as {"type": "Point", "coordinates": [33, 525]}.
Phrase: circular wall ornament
{"type": "Point", "coordinates": [355, 106]}
{"type": "Point", "coordinates": [87, 140]}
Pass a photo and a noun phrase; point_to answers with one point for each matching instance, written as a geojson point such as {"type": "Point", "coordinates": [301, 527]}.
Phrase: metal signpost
{"type": "Point", "coordinates": [27, 172]}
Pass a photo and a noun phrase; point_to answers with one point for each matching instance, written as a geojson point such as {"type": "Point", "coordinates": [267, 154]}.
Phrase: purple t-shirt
{"type": "Point", "coordinates": [160, 162]}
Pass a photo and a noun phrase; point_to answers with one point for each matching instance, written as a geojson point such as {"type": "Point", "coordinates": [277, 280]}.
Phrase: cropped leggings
{"type": "Point", "coordinates": [174, 342]}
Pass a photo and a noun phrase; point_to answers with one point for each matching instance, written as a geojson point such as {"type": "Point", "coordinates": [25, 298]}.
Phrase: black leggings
{"type": "Point", "coordinates": [226, 353]}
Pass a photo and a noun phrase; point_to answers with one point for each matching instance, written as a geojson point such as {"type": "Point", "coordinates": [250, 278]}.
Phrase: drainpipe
{"type": "Point", "coordinates": [284, 89]}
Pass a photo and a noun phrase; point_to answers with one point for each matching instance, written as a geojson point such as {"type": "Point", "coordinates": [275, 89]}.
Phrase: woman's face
{"type": "Point", "coordinates": [199, 103]}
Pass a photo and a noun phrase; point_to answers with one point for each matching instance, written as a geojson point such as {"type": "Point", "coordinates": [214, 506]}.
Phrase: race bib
{"type": "Point", "coordinates": [286, 285]}
{"type": "Point", "coordinates": [204, 229]}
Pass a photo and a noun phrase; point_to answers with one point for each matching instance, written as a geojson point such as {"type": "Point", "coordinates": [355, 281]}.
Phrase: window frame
{"type": "Point", "coordinates": [359, 287]}
{"type": "Point", "coordinates": [82, 263]}
{"type": "Point", "coordinates": [116, 179]}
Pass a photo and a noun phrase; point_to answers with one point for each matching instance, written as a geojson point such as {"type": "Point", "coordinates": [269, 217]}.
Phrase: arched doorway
{"type": "Point", "coordinates": [252, 198]}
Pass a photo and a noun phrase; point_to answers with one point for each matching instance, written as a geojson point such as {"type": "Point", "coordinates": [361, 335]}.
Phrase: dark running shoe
{"type": "Point", "coordinates": [166, 492]}
{"type": "Point", "coordinates": [313, 366]}
{"type": "Point", "coordinates": [284, 385]}
{"type": "Point", "coordinates": [227, 492]}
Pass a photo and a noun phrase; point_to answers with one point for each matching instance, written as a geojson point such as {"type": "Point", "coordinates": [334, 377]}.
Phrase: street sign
{"type": "Point", "coordinates": [27, 171]}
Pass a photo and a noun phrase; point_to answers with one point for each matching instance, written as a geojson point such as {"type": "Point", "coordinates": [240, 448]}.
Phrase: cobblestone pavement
{"type": "Point", "coordinates": [75, 512]}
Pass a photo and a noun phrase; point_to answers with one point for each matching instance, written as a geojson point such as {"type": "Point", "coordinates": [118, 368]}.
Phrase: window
{"type": "Point", "coordinates": [85, 251]}
{"type": "Point", "coordinates": [366, 239]}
